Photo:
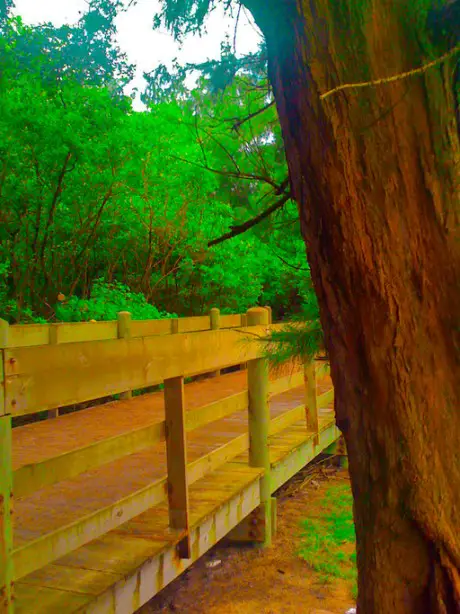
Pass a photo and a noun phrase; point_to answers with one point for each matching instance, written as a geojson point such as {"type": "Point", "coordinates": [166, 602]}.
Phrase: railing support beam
{"type": "Point", "coordinates": [6, 525]}
{"type": "Point", "coordinates": [124, 332]}
{"type": "Point", "coordinates": [311, 409]}
{"type": "Point", "coordinates": [259, 425]}
{"type": "Point", "coordinates": [176, 454]}
{"type": "Point", "coordinates": [214, 316]}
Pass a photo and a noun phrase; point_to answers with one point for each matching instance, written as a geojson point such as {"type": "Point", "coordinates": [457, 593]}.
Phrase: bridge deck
{"type": "Point", "coordinates": [121, 570]}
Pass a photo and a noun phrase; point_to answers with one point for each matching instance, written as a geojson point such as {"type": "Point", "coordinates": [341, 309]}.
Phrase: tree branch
{"type": "Point", "coordinates": [240, 228]}
{"type": "Point", "coordinates": [235, 175]}
{"type": "Point", "coordinates": [239, 122]}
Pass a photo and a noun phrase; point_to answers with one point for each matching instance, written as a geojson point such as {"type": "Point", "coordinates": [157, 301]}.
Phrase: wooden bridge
{"type": "Point", "coordinates": [113, 502]}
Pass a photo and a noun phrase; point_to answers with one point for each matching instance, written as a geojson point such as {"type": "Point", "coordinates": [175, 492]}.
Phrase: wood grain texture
{"type": "Point", "coordinates": [45, 377]}
{"type": "Point", "coordinates": [176, 460]}
{"type": "Point", "coordinates": [6, 511]}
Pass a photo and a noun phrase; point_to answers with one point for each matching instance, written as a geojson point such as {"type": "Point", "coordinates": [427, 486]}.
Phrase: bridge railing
{"type": "Point", "coordinates": [35, 378]}
{"type": "Point", "coordinates": [25, 335]}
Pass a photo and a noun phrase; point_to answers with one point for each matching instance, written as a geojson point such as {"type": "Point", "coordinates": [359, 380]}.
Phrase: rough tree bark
{"type": "Point", "coordinates": [375, 172]}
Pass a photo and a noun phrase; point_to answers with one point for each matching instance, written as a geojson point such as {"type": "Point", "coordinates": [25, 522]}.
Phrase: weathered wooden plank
{"type": "Point", "coordinates": [6, 525]}
{"type": "Point", "coordinates": [231, 321]}
{"type": "Point", "coordinates": [291, 461]}
{"type": "Point", "coordinates": [43, 600]}
{"type": "Point", "coordinates": [147, 328]}
{"type": "Point", "coordinates": [278, 386]}
{"type": "Point", "coordinates": [24, 335]}
{"type": "Point", "coordinates": [325, 399]}
{"type": "Point", "coordinates": [118, 553]}
{"type": "Point", "coordinates": [176, 457]}
{"type": "Point", "coordinates": [76, 332]}
{"type": "Point", "coordinates": [211, 461]}
{"type": "Point", "coordinates": [286, 419]}
{"type": "Point", "coordinates": [81, 580]}
{"type": "Point", "coordinates": [49, 547]}
{"type": "Point", "coordinates": [259, 420]}
{"type": "Point", "coordinates": [194, 324]}
{"type": "Point", "coordinates": [217, 410]}
{"type": "Point", "coordinates": [44, 377]}
{"type": "Point", "coordinates": [4, 333]}
{"type": "Point", "coordinates": [30, 478]}
{"type": "Point", "coordinates": [148, 578]}
{"type": "Point", "coordinates": [311, 408]}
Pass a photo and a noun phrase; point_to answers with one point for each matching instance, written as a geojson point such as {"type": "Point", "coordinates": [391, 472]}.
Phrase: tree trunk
{"type": "Point", "coordinates": [375, 173]}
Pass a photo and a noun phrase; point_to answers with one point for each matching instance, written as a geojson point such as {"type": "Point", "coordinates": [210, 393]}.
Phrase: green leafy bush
{"type": "Point", "coordinates": [107, 299]}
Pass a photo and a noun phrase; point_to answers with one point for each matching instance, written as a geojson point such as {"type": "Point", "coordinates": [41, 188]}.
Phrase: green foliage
{"type": "Point", "coordinates": [327, 542]}
{"type": "Point", "coordinates": [106, 300]}
{"type": "Point", "coordinates": [186, 16]}
{"type": "Point", "coordinates": [299, 339]}
{"type": "Point", "coordinates": [91, 190]}
{"type": "Point", "coordinates": [85, 51]}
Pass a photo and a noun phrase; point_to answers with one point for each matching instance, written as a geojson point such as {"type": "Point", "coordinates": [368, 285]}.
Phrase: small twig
{"type": "Point", "coordinates": [403, 75]}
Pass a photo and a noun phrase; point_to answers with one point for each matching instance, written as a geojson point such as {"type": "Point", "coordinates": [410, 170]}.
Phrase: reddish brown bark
{"type": "Point", "coordinates": [375, 173]}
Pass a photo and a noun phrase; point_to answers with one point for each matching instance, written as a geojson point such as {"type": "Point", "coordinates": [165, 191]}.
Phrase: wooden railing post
{"type": "Point", "coordinates": [214, 316]}
{"type": "Point", "coordinates": [6, 488]}
{"type": "Point", "coordinates": [311, 409]}
{"type": "Point", "coordinates": [339, 450]}
{"type": "Point", "coordinates": [270, 314]}
{"type": "Point", "coordinates": [244, 322]}
{"type": "Point", "coordinates": [259, 423]}
{"type": "Point", "coordinates": [124, 332]}
{"type": "Point", "coordinates": [174, 326]}
{"type": "Point", "coordinates": [53, 340]}
{"type": "Point", "coordinates": [176, 455]}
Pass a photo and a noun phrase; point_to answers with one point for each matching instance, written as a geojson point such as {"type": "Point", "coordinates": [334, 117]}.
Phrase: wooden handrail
{"type": "Point", "coordinates": [31, 477]}
{"type": "Point", "coordinates": [27, 335]}
{"type": "Point", "coordinates": [40, 377]}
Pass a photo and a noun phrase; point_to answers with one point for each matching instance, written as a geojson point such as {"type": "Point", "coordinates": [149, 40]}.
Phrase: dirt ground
{"type": "Point", "coordinates": [250, 580]}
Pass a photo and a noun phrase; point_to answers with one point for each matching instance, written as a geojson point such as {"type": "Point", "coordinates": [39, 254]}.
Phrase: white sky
{"type": "Point", "coordinates": [147, 48]}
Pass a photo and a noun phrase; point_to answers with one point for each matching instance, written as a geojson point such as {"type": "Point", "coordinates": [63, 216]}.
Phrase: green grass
{"type": "Point", "coordinates": [326, 541]}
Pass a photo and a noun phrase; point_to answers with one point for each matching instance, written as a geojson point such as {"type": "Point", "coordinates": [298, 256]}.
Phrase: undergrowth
{"type": "Point", "coordinates": [328, 542]}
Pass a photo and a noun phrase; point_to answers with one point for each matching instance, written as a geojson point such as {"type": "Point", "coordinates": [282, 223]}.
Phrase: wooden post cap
{"type": "Point", "coordinates": [214, 315]}
{"type": "Point", "coordinates": [257, 316]}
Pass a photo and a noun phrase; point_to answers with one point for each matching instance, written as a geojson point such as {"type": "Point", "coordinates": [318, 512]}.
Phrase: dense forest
{"type": "Point", "coordinates": [104, 208]}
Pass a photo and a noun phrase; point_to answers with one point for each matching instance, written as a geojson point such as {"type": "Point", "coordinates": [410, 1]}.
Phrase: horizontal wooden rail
{"type": "Point", "coordinates": [52, 366]}
{"type": "Point", "coordinates": [217, 410]}
{"type": "Point", "coordinates": [49, 547]}
{"type": "Point", "coordinates": [32, 477]}
{"type": "Point", "coordinates": [221, 455]}
{"type": "Point", "coordinates": [283, 384]}
{"type": "Point", "coordinates": [287, 419]}
{"type": "Point", "coordinates": [325, 399]}
{"type": "Point", "coordinates": [29, 478]}
{"type": "Point", "coordinates": [231, 321]}
{"type": "Point", "coordinates": [44, 377]}
{"type": "Point", "coordinates": [26, 335]}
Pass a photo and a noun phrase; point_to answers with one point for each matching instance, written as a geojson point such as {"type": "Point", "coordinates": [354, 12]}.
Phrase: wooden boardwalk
{"type": "Point", "coordinates": [70, 557]}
